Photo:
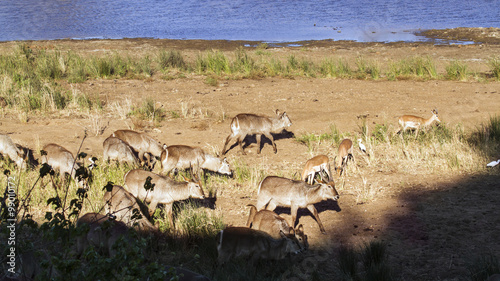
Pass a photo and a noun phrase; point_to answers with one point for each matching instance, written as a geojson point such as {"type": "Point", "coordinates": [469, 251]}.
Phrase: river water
{"type": "Point", "coordinates": [254, 20]}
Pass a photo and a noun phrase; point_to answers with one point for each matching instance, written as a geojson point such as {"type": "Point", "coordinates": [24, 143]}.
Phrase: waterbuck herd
{"type": "Point", "coordinates": [266, 235]}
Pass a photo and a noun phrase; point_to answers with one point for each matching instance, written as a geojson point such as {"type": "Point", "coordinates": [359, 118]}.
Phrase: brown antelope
{"type": "Point", "coordinates": [277, 191]}
{"type": "Point", "coordinates": [344, 154]}
{"type": "Point", "coordinates": [121, 203]}
{"type": "Point", "coordinates": [236, 242]}
{"type": "Point", "coordinates": [415, 122]}
{"type": "Point", "coordinates": [317, 164]}
{"type": "Point", "coordinates": [118, 150]}
{"type": "Point", "coordinates": [61, 159]}
{"type": "Point", "coordinates": [251, 124]}
{"type": "Point", "coordinates": [8, 148]}
{"type": "Point", "coordinates": [184, 157]}
{"type": "Point", "coordinates": [141, 143]}
{"type": "Point", "coordinates": [165, 190]}
{"type": "Point", "coordinates": [103, 233]}
{"type": "Point", "coordinates": [273, 224]}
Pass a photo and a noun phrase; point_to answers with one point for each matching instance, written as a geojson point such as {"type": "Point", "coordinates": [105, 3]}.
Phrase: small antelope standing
{"type": "Point", "coordinates": [61, 159]}
{"type": "Point", "coordinates": [344, 154]}
{"type": "Point", "coordinates": [184, 157]}
{"type": "Point", "coordinates": [250, 124]}
{"type": "Point", "coordinates": [118, 150]}
{"type": "Point", "coordinates": [317, 164]}
{"type": "Point", "coordinates": [103, 233]}
{"type": "Point", "coordinates": [273, 224]}
{"type": "Point", "coordinates": [236, 242]}
{"type": "Point", "coordinates": [165, 190]}
{"type": "Point", "coordinates": [141, 143]}
{"type": "Point", "coordinates": [8, 148]}
{"type": "Point", "coordinates": [121, 203]}
{"type": "Point", "coordinates": [277, 191]}
{"type": "Point", "coordinates": [417, 123]}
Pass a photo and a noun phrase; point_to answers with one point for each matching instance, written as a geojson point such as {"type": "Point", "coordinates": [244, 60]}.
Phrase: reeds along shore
{"type": "Point", "coordinates": [30, 78]}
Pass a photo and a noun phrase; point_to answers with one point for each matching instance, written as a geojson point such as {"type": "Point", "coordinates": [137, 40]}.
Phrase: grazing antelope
{"type": "Point", "coordinates": [61, 159]}
{"type": "Point", "coordinates": [236, 242]}
{"type": "Point", "coordinates": [277, 191]}
{"type": "Point", "coordinates": [415, 122]}
{"type": "Point", "coordinates": [103, 233]}
{"type": "Point", "coordinates": [118, 150]}
{"type": "Point", "coordinates": [165, 190]}
{"type": "Point", "coordinates": [141, 143]}
{"type": "Point", "coordinates": [273, 224]}
{"type": "Point", "coordinates": [317, 164]}
{"type": "Point", "coordinates": [250, 124]}
{"type": "Point", "coordinates": [344, 154]}
{"type": "Point", "coordinates": [8, 148]}
{"type": "Point", "coordinates": [183, 157]}
{"type": "Point", "coordinates": [121, 203]}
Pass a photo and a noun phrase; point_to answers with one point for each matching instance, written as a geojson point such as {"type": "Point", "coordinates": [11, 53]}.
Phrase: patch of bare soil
{"type": "Point", "coordinates": [434, 224]}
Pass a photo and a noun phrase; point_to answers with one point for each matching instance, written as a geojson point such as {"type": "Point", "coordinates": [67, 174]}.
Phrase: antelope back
{"type": "Point", "coordinates": [122, 204]}
{"type": "Point", "coordinates": [139, 141]}
{"type": "Point", "coordinates": [103, 233]}
{"type": "Point", "coordinates": [8, 148]}
{"type": "Point", "coordinates": [314, 165]}
{"type": "Point", "coordinates": [236, 242]}
{"type": "Point", "coordinates": [116, 149]}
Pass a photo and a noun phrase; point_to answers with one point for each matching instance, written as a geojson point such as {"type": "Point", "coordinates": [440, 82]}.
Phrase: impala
{"type": "Point", "coordinates": [317, 164]}
{"type": "Point", "coordinates": [250, 124]}
{"type": "Point", "coordinates": [417, 123]}
{"type": "Point", "coordinates": [343, 156]}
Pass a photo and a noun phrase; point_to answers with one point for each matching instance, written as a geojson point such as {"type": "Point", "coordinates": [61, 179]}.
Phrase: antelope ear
{"type": "Point", "coordinates": [282, 234]}
{"type": "Point", "coordinates": [225, 160]}
{"type": "Point", "coordinates": [277, 112]}
{"type": "Point", "coordinates": [300, 228]}
{"type": "Point", "coordinates": [292, 231]}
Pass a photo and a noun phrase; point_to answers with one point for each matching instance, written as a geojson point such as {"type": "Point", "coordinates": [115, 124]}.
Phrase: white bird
{"type": "Point", "coordinates": [493, 163]}
{"type": "Point", "coordinates": [362, 147]}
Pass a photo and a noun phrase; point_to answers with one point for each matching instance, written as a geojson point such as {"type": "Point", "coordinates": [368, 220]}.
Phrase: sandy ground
{"type": "Point", "coordinates": [434, 226]}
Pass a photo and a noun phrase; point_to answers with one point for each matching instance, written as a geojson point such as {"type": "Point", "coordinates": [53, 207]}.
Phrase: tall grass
{"type": "Point", "coordinates": [457, 70]}
{"type": "Point", "coordinates": [419, 67]}
{"type": "Point", "coordinates": [494, 64]}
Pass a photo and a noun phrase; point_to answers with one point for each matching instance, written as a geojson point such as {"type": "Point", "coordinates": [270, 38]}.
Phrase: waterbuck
{"type": "Point", "coordinates": [118, 150]}
{"type": "Point", "coordinates": [125, 206]}
{"type": "Point", "coordinates": [236, 242]}
{"type": "Point", "coordinates": [165, 190]}
{"type": "Point", "coordinates": [344, 154]}
{"type": "Point", "coordinates": [415, 122]}
{"type": "Point", "coordinates": [61, 159]}
{"type": "Point", "coordinates": [277, 191]}
{"type": "Point", "coordinates": [273, 224]}
{"type": "Point", "coordinates": [141, 143]}
{"type": "Point", "coordinates": [250, 124]}
{"type": "Point", "coordinates": [317, 164]}
{"type": "Point", "coordinates": [8, 148]}
{"type": "Point", "coordinates": [184, 157]}
{"type": "Point", "coordinates": [102, 234]}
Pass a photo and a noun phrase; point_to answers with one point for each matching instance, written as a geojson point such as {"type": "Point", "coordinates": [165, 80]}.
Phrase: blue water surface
{"type": "Point", "coordinates": [254, 20]}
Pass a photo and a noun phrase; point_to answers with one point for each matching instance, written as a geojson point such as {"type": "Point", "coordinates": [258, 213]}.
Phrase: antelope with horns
{"type": "Point", "coordinates": [61, 159]}
{"type": "Point", "coordinates": [236, 242]}
{"type": "Point", "coordinates": [417, 123]}
{"type": "Point", "coordinates": [250, 124]}
{"type": "Point", "coordinates": [183, 157]}
{"type": "Point", "coordinates": [125, 206]}
{"type": "Point", "coordinates": [277, 191]}
{"type": "Point", "coordinates": [344, 154]}
{"type": "Point", "coordinates": [317, 164]}
{"type": "Point", "coordinates": [8, 148]}
{"type": "Point", "coordinates": [165, 190]}
{"type": "Point", "coordinates": [273, 224]}
{"type": "Point", "coordinates": [103, 233]}
{"type": "Point", "coordinates": [143, 144]}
